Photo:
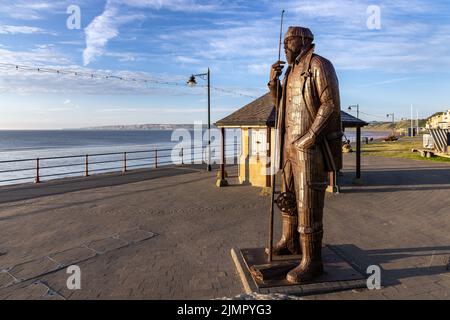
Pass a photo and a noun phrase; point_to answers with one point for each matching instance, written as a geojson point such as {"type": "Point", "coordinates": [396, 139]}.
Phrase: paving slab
{"type": "Point", "coordinates": [6, 279]}
{"type": "Point", "coordinates": [32, 269]}
{"type": "Point", "coordinates": [105, 245]}
{"type": "Point", "coordinates": [73, 255]}
{"type": "Point", "coordinates": [133, 236]}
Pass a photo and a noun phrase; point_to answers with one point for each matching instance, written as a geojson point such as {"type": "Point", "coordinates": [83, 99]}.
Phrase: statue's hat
{"type": "Point", "coordinates": [299, 32]}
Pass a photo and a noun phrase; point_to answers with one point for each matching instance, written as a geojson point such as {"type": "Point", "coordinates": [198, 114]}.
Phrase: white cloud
{"type": "Point", "coordinates": [173, 5]}
{"type": "Point", "coordinates": [51, 110]}
{"type": "Point", "coordinates": [118, 109]}
{"type": "Point", "coordinates": [259, 68]}
{"type": "Point", "coordinates": [36, 6]}
{"type": "Point", "coordinates": [39, 55]}
{"type": "Point", "coordinates": [351, 11]}
{"type": "Point", "coordinates": [72, 42]}
{"type": "Point", "coordinates": [388, 81]}
{"type": "Point", "coordinates": [123, 56]}
{"type": "Point", "coordinates": [187, 60]}
{"type": "Point", "coordinates": [27, 10]}
{"type": "Point", "coordinates": [5, 29]}
{"type": "Point", "coordinates": [102, 29]}
{"type": "Point", "coordinates": [402, 45]}
{"type": "Point", "coordinates": [105, 27]}
{"type": "Point", "coordinates": [253, 41]}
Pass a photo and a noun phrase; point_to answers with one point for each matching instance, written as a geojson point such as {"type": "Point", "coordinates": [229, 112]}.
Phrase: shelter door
{"type": "Point", "coordinates": [259, 142]}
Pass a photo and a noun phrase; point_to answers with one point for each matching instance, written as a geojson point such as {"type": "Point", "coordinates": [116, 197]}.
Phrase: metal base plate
{"type": "Point", "coordinates": [257, 275]}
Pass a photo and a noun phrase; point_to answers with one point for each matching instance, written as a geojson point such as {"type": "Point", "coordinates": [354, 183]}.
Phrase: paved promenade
{"type": "Point", "coordinates": [167, 233]}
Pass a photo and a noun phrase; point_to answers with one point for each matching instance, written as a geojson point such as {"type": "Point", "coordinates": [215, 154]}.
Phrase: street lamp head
{"type": "Point", "coordinates": [192, 82]}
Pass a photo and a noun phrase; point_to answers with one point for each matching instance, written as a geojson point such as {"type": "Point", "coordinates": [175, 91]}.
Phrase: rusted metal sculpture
{"type": "Point", "coordinates": [309, 146]}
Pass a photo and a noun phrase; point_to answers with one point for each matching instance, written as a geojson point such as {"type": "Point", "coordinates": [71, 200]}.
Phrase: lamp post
{"type": "Point", "coordinates": [192, 83]}
{"type": "Point", "coordinates": [350, 108]}
{"type": "Point", "coordinates": [393, 121]}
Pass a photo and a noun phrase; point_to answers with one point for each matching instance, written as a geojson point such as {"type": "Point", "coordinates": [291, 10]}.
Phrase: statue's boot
{"type": "Point", "coordinates": [290, 242]}
{"type": "Point", "coordinates": [311, 265]}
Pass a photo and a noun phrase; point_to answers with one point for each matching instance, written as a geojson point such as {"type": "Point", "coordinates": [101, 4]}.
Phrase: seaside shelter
{"type": "Point", "coordinates": [256, 121]}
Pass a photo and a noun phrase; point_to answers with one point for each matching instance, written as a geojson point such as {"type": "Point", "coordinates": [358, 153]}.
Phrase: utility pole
{"type": "Point", "coordinates": [209, 120]}
{"type": "Point", "coordinates": [417, 132]}
{"type": "Point", "coordinates": [357, 109]}
{"type": "Point", "coordinates": [393, 122]}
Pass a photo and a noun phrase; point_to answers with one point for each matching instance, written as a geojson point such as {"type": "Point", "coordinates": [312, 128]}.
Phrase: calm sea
{"type": "Point", "coordinates": [36, 141]}
{"type": "Point", "coordinates": [17, 145]}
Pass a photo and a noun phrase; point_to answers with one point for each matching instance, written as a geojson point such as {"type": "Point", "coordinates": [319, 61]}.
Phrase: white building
{"type": "Point", "coordinates": [440, 121]}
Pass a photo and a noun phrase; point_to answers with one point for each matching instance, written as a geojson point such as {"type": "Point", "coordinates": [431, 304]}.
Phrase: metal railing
{"type": "Point", "coordinates": [49, 168]}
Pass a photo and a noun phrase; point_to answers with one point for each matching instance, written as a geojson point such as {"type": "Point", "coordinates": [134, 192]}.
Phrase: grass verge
{"type": "Point", "coordinates": [398, 149]}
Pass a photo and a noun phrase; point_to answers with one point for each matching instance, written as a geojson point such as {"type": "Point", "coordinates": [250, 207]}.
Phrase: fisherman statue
{"type": "Point", "coordinates": [308, 147]}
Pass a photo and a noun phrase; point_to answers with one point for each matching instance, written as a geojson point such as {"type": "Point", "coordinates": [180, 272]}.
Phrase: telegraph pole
{"type": "Point", "coordinates": [357, 109]}
{"type": "Point", "coordinates": [393, 122]}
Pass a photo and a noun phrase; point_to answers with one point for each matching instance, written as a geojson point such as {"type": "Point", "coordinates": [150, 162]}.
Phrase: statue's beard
{"type": "Point", "coordinates": [291, 55]}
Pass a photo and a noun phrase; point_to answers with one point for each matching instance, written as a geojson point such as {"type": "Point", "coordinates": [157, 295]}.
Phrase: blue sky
{"type": "Point", "coordinates": [405, 62]}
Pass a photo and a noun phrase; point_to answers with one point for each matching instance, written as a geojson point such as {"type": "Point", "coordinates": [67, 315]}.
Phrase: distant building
{"type": "Point", "coordinates": [439, 121]}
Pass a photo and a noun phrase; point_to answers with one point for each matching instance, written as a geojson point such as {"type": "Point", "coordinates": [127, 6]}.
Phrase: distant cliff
{"type": "Point", "coordinates": [386, 126]}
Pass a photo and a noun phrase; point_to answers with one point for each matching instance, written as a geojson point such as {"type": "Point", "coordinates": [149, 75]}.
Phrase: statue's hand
{"type": "Point", "coordinates": [276, 70]}
{"type": "Point", "coordinates": [274, 82]}
{"type": "Point", "coordinates": [305, 142]}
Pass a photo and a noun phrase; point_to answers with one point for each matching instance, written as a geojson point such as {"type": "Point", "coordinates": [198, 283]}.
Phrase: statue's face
{"type": "Point", "coordinates": [293, 46]}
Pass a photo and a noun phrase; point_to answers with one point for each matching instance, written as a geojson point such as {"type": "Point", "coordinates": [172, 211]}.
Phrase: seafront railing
{"type": "Point", "coordinates": [51, 168]}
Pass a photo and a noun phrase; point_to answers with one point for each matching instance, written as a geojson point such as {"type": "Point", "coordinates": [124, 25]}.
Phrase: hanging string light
{"type": "Point", "coordinates": [108, 76]}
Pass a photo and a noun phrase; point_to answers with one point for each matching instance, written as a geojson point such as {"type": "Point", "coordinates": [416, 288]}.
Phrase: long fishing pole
{"type": "Point", "coordinates": [277, 103]}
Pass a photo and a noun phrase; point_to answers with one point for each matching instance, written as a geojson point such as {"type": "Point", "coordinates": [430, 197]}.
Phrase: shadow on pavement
{"type": "Point", "coordinates": [392, 180]}
{"type": "Point", "coordinates": [438, 259]}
